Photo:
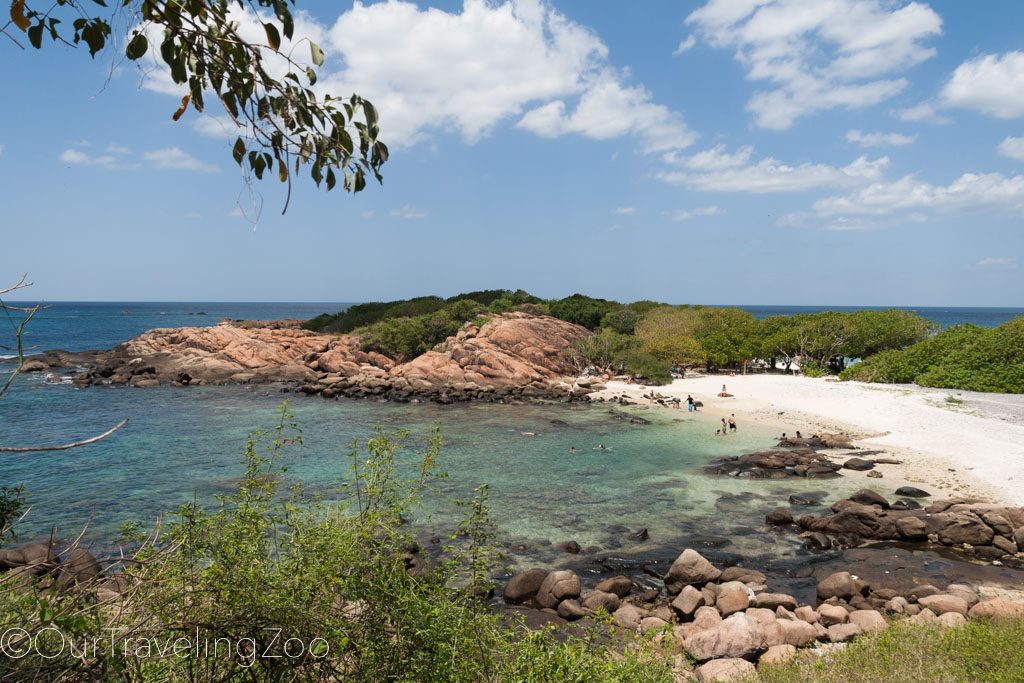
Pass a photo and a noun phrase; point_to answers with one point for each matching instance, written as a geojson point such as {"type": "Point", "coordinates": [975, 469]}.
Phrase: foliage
{"type": "Point", "coordinates": [668, 334]}
{"type": "Point", "coordinates": [965, 357]}
{"type": "Point", "coordinates": [268, 574]}
{"type": "Point", "coordinates": [12, 505]}
{"type": "Point", "coordinates": [647, 366]}
{"type": "Point", "coordinates": [604, 350]}
{"type": "Point", "coordinates": [582, 310]}
{"type": "Point", "coordinates": [725, 335]}
{"type": "Point", "coordinates": [622, 321]}
{"type": "Point", "coordinates": [407, 338]}
{"type": "Point", "coordinates": [903, 653]}
{"type": "Point", "coordinates": [283, 124]}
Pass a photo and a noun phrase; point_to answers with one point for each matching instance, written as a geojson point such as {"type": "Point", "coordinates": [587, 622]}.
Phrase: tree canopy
{"type": "Point", "coordinates": [285, 125]}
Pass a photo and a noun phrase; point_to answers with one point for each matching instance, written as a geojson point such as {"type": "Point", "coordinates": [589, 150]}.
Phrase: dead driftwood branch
{"type": "Point", "coordinates": [64, 447]}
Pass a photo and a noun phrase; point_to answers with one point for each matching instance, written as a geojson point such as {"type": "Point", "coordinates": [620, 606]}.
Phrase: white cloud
{"type": "Point", "coordinates": [1012, 148]}
{"type": "Point", "coordinates": [685, 46]}
{"type": "Point", "coordinates": [716, 170]}
{"type": "Point", "coordinates": [117, 149]}
{"type": "Point", "coordinates": [367, 214]}
{"type": "Point", "coordinates": [996, 262]}
{"type": "Point", "coordinates": [624, 210]}
{"type": "Point", "coordinates": [990, 84]}
{"type": "Point", "coordinates": [911, 200]}
{"type": "Point", "coordinates": [408, 212]}
{"type": "Point", "coordinates": [819, 54]}
{"type": "Point", "coordinates": [429, 70]}
{"type": "Point", "coordinates": [923, 112]}
{"type": "Point", "coordinates": [174, 159]}
{"type": "Point", "coordinates": [687, 214]}
{"type": "Point", "coordinates": [75, 157]}
{"type": "Point", "coordinates": [609, 110]}
{"type": "Point", "coordinates": [879, 139]}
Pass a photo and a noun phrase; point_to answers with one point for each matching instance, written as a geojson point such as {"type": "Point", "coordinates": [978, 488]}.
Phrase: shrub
{"type": "Point", "coordinates": [649, 367]}
{"type": "Point", "coordinates": [668, 334]}
{"type": "Point", "coordinates": [582, 310]}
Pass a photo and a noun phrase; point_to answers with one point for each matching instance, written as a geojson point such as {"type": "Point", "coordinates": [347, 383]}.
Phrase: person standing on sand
{"type": "Point", "coordinates": [732, 422]}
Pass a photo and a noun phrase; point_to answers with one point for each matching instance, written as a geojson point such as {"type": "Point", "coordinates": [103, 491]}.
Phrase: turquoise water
{"type": "Point", "coordinates": [185, 443]}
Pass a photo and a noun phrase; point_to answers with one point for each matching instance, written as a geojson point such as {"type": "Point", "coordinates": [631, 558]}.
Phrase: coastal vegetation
{"type": "Point", "coordinates": [964, 357]}
{"type": "Point", "coordinates": [644, 338]}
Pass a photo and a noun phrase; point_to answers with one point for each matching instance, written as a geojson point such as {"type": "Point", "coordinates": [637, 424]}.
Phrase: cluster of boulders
{"type": "Point", "coordinates": [776, 464]}
{"type": "Point", "coordinates": [512, 355]}
{"type": "Point", "coordinates": [990, 532]}
{"type": "Point", "coordinates": [727, 619]}
{"type": "Point", "coordinates": [40, 566]}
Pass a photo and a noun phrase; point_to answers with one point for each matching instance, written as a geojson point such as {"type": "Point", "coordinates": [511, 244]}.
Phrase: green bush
{"type": "Point", "coordinates": [965, 357]}
{"type": "Point", "coordinates": [622, 321]}
{"type": "Point", "coordinates": [647, 366]}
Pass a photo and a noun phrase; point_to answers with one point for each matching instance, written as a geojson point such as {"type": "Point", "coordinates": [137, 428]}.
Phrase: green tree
{"type": "Point", "coordinates": [583, 310]}
{"type": "Point", "coordinates": [284, 126]}
{"type": "Point", "coordinates": [603, 350]}
{"type": "Point", "coordinates": [726, 335]}
{"type": "Point", "coordinates": [876, 331]}
{"type": "Point", "coordinates": [669, 334]}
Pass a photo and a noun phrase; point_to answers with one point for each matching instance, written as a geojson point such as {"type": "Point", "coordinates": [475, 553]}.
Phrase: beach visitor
{"type": "Point", "coordinates": [724, 429]}
{"type": "Point", "coordinates": [572, 449]}
{"type": "Point", "coordinates": [718, 432]}
{"type": "Point", "coordinates": [732, 422]}
{"type": "Point", "coordinates": [690, 405]}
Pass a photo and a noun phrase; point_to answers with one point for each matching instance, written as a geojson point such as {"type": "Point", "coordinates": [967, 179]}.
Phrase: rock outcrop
{"type": "Point", "coordinates": [512, 355]}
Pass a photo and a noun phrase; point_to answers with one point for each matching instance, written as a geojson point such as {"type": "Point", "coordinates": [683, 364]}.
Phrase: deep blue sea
{"type": "Point", "coordinates": [184, 444]}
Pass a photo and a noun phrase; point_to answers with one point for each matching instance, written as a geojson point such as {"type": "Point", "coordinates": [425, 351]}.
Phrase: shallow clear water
{"type": "Point", "coordinates": [188, 442]}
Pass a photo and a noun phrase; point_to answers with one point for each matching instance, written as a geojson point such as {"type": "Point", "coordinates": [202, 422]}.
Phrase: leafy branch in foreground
{"type": "Point", "coordinates": [258, 80]}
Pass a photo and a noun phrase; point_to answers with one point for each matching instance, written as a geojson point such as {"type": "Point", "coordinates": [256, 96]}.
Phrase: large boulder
{"type": "Point", "coordinates": [78, 568]}
{"type": "Point", "coordinates": [557, 586]}
{"type": "Point", "coordinates": [628, 617]}
{"type": "Point", "coordinates": [600, 600]}
{"type": "Point", "coordinates": [725, 670]}
{"type": "Point", "coordinates": [965, 528]}
{"type": "Point", "coordinates": [943, 602]}
{"type": "Point", "coordinates": [689, 569]}
{"type": "Point", "coordinates": [838, 585]}
{"type": "Point", "coordinates": [737, 636]}
{"type": "Point", "coordinates": [687, 603]}
{"type": "Point", "coordinates": [868, 620]}
{"type": "Point", "coordinates": [523, 586]}
{"type": "Point", "coordinates": [998, 609]}
{"type": "Point", "coordinates": [733, 597]}
{"type": "Point", "coordinates": [869, 497]}
{"type": "Point", "coordinates": [619, 585]}
{"type": "Point", "coordinates": [797, 632]}
{"type": "Point", "coordinates": [911, 492]}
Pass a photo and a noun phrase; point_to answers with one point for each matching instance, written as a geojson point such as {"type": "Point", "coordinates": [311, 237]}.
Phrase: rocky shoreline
{"type": "Point", "coordinates": [511, 356]}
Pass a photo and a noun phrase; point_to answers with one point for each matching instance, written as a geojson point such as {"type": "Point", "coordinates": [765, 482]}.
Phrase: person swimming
{"type": "Point", "coordinates": [572, 449]}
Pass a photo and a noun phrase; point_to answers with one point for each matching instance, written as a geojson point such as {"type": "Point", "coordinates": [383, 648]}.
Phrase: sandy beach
{"type": "Point", "coordinates": [957, 443]}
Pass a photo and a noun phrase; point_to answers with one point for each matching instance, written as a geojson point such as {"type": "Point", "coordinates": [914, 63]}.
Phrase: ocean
{"type": "Point", "coordinates": [186, 444]}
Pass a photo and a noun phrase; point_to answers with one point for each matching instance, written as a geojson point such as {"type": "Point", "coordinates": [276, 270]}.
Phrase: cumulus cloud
{"type": "Point", "coordinates": [909, 199]}
{"type": "Point", "coordinates": [819, 55]}
{"type": "Point", "coordinates": [685, 46]}
{"type": "Point", "coordinates": [990, 84]}
{"type": "Point", "coordinates": [687, 214]}
{"type": "Point", "coordinates": [174, 159]}
{"type": "Point", "coordinates": [429, 70]}
{"type": "Point", "coordinates": [1012, 148]}
{"type": "Point", "coordinates": [923, 112]}
{"type": "Point", "coordinates": [408, 212]}
{"type": "Point", "coordinates": [74, 157]}
{"type": "Point", "coordinates": [879, 139]}
{"type": "Point", "coordinates": [717, 170]}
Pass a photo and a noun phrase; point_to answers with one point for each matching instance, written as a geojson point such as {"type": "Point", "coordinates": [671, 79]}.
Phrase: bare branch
{"type": "Point", "coordinates": [64, 447]}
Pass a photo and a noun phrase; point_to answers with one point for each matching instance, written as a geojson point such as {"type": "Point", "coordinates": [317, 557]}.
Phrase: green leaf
{"type": "Point", "coordinates": [239, 151]}
{"type": "Point", "coordinates": [317, 53]}
{"type": "Point", "coordinates": [137, 47]}
{"type": "Point", "coordinates": [273, 37]}
{"type": "Point", "coordinates": [311, 75]}
{"type": "Point", "coordinates": [331, 180]}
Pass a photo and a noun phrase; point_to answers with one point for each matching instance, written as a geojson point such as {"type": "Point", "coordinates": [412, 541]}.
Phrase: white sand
{"type": "Point", "coordinates": [957, 448]}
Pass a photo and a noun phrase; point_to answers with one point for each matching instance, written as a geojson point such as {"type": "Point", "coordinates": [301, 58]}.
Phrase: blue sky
{"type": "Point", "coordinates": [837, 152]}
